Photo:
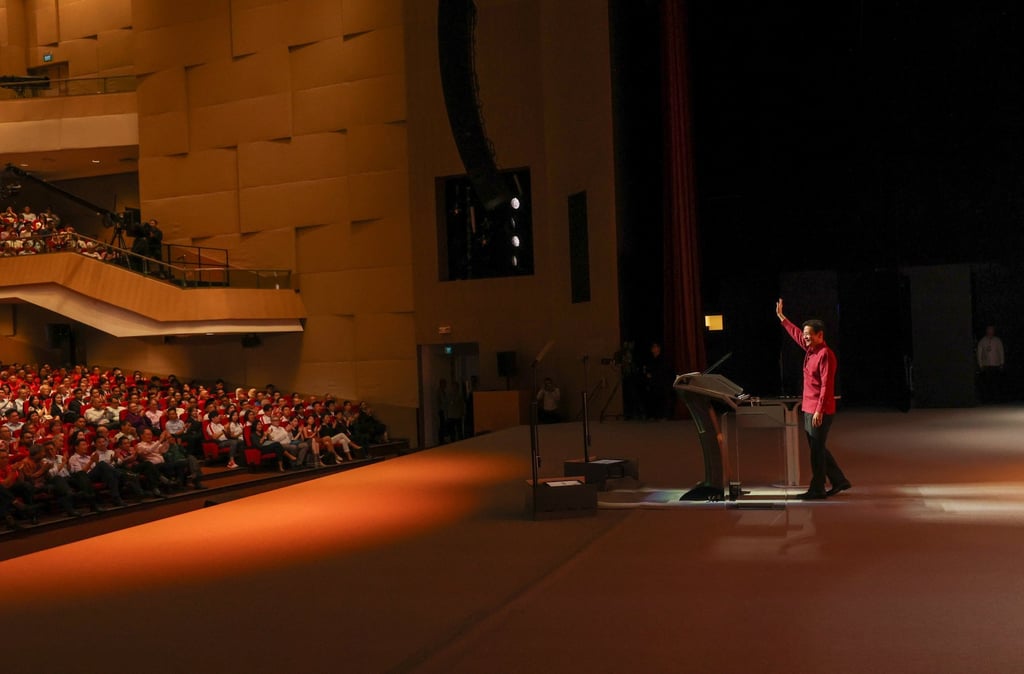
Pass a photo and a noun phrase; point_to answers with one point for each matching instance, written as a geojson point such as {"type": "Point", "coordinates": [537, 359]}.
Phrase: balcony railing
{"type": "Point", "coordinates": [187, 266]}
{"type": "Point", "coordinates": [43, 87]}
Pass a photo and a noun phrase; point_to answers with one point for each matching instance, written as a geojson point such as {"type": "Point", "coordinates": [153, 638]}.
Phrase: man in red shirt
{"type": "Point", "coordinates": [818, 406]}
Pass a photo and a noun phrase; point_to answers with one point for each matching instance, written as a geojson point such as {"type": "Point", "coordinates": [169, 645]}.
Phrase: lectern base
{"type": "Point", "coordinates": [703, 492]}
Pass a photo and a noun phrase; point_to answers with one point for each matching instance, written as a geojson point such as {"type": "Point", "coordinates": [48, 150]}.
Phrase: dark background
{"type": "Point", "coordinates": [857, 137]}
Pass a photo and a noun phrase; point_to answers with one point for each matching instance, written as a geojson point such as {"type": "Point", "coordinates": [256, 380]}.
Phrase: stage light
{"type": "Point", "coordinates": [515, 203]}
{"type": "Point", "coordinates": [515, 241]}
{"type": "Point", "coordinates": [515, 261]}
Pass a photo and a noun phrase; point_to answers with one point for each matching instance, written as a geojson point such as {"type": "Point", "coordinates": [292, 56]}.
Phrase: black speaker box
{"type": "Point", "coordinates": [507, 364]}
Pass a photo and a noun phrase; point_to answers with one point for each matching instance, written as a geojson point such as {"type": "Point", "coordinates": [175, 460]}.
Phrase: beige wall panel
{"type": "Point", "coordinates": [381, 147]}
{"type": "Point", "coordinates": [115, 51]}
{"type": "Point", "coordinates": [263, 250]}
{"type": "Point", "coordinates": [163, 134]}
{"type": "Point", "coordinates": [99, 131]}
{"type": "Point", "coordinates": [374, 54]}
{"type": "Point", "coordinates": [196, 173]}
{"type": "Point", "coordinates": [44, 22]}
{"type": "Point", "coordinates": [78, 18]}
{"type": "Point", "coordinates": [381, 290]}
{"type": "Point", "coordinates": [85, 106]}
{"type": "Point", "coordinates": [363, 15]}
{"type": "Point", "coordinates": [164, 177]}
{"type": "Point", "coordinates": [390, 380]}
{"type": "Point", "coordinates": [323, 248]}
{"type": "Point", "coordinates": [7, 321]}
{"type": "Point", "coordinates": [328, 377]}
{"type": "Point", "coordinates": [82, 56]}
{"type": "Point", "coordinates": [232, 124]}
{"type": "Point", "coordinates": [374, 101]}
{"type": "Point", "coordinates": [318, 64]}
{"type": "Point", "coordinates": [326, 293]}
{"type": "Point", "coordinates": [311, 202]}
{"type": "Point", "coordinates": [194, 216]}
{"type": "Point", "coordinates": [187, 44]}
{"type": "Point", "coordinates": [256, 25]}
{"type": "Point", "coordinates": [385, 336]}
{"type": "Point", "coordinates": [375, 195]}
{"type": "Point", "coordinates": [13, 62]}
{"type": "Point", "coordinates": [328, 338]}
{"type": "Point", "coordinates": [381, 243]}
{"type": "Point", "coordinates": [302, 158]}
{"type": "Point", "coordinates": [114, 14]}
{"type": "Point", "coordinates": [320, 109]}
{"type": "Point", "coordinates": [150, 14]}
{"type": "Point", "coordinates": [29, 136]}
{"type": "Point", "coordinates": [223, 81]}
{"type": "Point", "coordinates": [164, 91]}
{"type": "Point", "coordinates": [120, 70]}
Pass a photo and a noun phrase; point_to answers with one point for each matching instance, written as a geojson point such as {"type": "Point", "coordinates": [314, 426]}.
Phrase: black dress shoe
{"type": "Point", "coordinates": [836, 488]}
{"type": "Point", "coordinates": [811, 496]}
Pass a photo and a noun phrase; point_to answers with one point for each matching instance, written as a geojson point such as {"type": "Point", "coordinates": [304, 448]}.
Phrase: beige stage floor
{"type": "Point", "coordinates": [426, 563]}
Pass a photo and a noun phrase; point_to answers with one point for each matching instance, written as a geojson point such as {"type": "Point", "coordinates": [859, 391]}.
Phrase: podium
{"type": "Point", "coordinates": [702, 393]}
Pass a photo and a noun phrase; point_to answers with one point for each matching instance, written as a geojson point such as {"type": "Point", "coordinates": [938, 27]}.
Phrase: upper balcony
{"type": "Point", "coordinates": [71, 115]}
{"type": "Point", "coordinates": [126, 295]}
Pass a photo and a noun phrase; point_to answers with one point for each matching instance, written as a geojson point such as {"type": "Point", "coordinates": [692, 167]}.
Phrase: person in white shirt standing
{"type": "Point", "coordinates": [548, 398]}
{"type": "Point", "coordinates": [991, 360]}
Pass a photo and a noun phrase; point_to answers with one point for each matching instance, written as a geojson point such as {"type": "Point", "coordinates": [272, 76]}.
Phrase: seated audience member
{"type": "Point", "coordinates": [85, 468]}
{"type": "Point", "coordinates": [106, 453]}
{"type": "Point", "coordinates": [128, 460]}
{"type": "Point", "coordinates": [366, 429]}
{"type": "Point", "coordinates": [299, 445]}
{"type": "Point", "coordinates": [6, 402]}
{"type": "Point", "coordinates": [216, 432]}
{"type": "Point", "coordinates": [155, 414]}
{"type": "Point", "coordinates": [14, 422]}
{"type": "Point", "coordinates": [99, 414]}
{"type": "Point", "coordinates": [332, 434]}
{"type": "Point", "coordinates": [135, 416]}
{"type": "Point", "coordinates": [175, 465]}
{"type": "Point", "coordinates": [174, 426]}
{"type": "Point", "coordinates": [128, 431]}
{"type": "Point", "coordinates": [15, 492]}
{"type": "Point", "coordinates": [309, 432]}
{"type": "Point", "coordinates": [27, 217]}
{"type": "Point", "coordinates": [192, 436]}
{"type": "Point", "coordinates": [36, 471]}
{"type": "Point", "coordinates": [277, 439]}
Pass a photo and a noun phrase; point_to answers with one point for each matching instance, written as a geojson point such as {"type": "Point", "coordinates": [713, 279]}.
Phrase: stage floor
{"type": "Point", "coordinates": [428, 563]}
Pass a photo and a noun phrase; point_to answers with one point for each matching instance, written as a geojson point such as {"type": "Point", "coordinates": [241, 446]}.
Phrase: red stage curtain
{"type": "Point", "coordinates": [684, 317]}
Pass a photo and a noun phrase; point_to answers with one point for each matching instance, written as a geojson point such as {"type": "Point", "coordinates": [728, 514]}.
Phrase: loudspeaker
{"type": "Point", "coordinates": [456, 25]}
{"type": "Point", "coordinates": [57, 335]}
{"type": "Point", "coordinates": [507, 364]}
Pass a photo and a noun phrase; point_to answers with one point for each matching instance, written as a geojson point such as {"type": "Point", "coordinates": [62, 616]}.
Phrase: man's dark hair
{"type": "Point", "coordinates": [815, 325]}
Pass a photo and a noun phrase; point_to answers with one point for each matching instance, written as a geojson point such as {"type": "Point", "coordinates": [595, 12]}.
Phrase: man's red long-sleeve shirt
{"type": "Point", "coordinates": [819, 373]}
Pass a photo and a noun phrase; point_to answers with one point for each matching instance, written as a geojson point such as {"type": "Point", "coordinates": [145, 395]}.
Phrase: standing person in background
{"type": "Point", "coordinates": [443, 402]}
{"type": "Point", "coordinates": [818, 405]}
{"type": "Point", "coordinates": [548, 399]}
{"type": "Point", "coordinates": [658, 378]}
{"type": "Point", "coordinates": [991, 360]}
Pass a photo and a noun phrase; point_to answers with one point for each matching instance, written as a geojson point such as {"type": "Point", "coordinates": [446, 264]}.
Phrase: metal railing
{"type": "Point", "coordinates": [76, 86]}
{"type": "Point", "coordinates": [196, 269]}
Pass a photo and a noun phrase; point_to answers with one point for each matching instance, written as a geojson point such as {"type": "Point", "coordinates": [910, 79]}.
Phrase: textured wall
{"type": "Point", "coordinates": [544, 78]}
{"type": "Point", "coordinates": [277, 130]}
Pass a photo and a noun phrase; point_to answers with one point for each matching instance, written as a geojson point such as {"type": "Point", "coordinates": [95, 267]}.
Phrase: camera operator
{"type": "Point", "coordinates": [148, 243]}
